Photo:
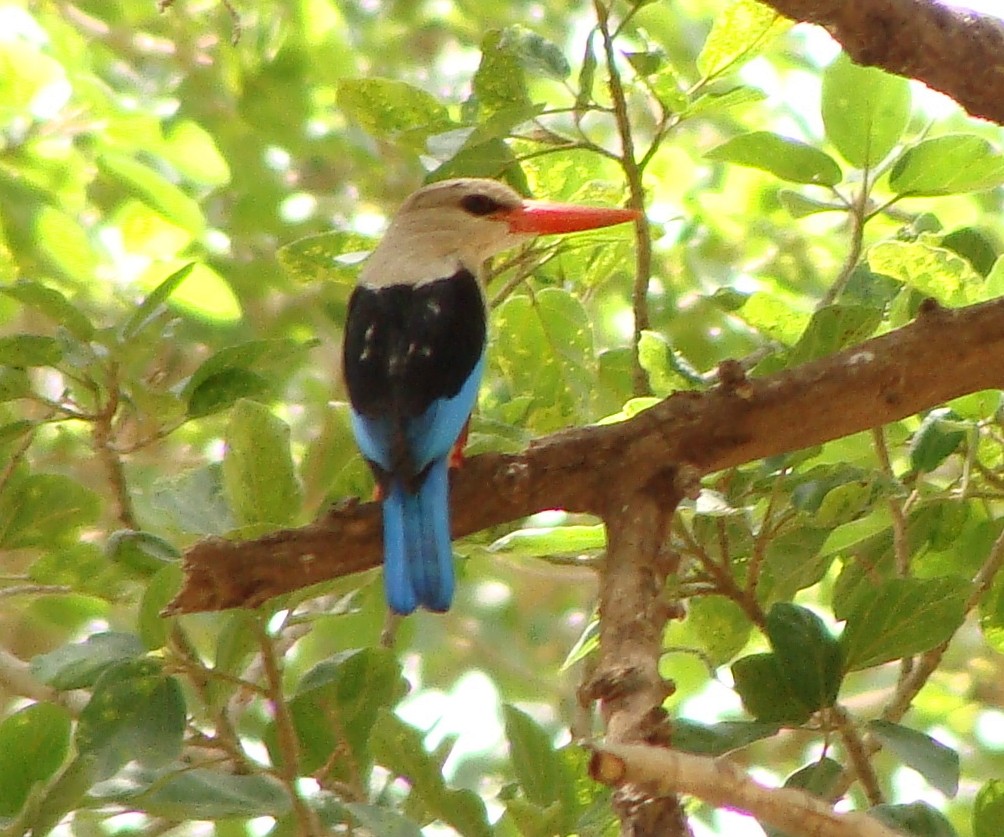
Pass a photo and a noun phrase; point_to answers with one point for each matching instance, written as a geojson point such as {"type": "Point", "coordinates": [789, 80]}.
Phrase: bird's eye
{"type": "Point", "coordinates": [478, 204]}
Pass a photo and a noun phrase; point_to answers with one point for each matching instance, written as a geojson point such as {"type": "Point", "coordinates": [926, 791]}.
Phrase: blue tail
{"type": "Point", "coordinates": [418, 554]}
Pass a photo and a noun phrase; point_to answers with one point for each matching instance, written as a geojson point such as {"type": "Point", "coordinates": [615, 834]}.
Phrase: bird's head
{"type": "Point", "coordinates": [463, 222]}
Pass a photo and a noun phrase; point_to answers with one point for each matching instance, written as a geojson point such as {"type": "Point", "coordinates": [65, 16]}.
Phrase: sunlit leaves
{"type": "Point", "coordinates": [544, 348]}
{"type": "Point", "coordinates": [785, 158]}
{"type": "Point", "coordinates": [932, 270]}
{"type": "Point", "coordinates": [741, 30]}
{"type": "Point", "coordinates": [865, 111]}
{"type": "Point", "coordinates": [537, 542]}
{"type": "Point", "coordinates": [153, 189]}
{"type": "Point", "coordinates": [392, 109]}
{"type": "Point", "coordinates": [948, 165]}
{"type": "Point", "coordinates": [327, 256]}
{"type": "Point", "coordinates": [988, 811]}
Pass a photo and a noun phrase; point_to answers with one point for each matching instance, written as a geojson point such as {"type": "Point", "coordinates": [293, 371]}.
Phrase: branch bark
{"type": "Point", "coordinates": [958, 52]}
{"type": "Point", "coordinates": [941, 355]}
{"type": "Point", "coordinates": [721, 783]}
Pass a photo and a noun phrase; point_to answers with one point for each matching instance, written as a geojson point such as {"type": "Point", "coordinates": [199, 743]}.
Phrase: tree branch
{"type": "Point", "coordinates": [958, 52]}
{"type": "Point", "coordinates": [941, 355]}
{"type": "Point", "coordinates": [721, 783]}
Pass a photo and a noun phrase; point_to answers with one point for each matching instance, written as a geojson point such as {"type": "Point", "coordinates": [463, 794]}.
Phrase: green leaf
{"type": "Point", "coordinates": [720, 625]}
{"type": "Point", "coordinates": [398, 747]}
{"type": "Point", "coordinates": [666, 369]}
{"type": "Point", "coordinates": [29, 350]}
{"type": "Point", "coordinates": [792, 562]}
{"type": "Point", "coordinates": [818, 778]}
{"type": "Point", "coordinates": [82, 567]}
{"type": "Point", "coordinates": [538, 769]}
{"type": "Point", "coordinates": [193, 151]}
{"type": "Point", "coordinates": [933, 760]}
{"type": "Point", "coordinates": [832, 328]}
{"type": "Point", "coordinates": [938, 437]}
{"type": "Point", "coordinates": [194, 502]}
{"type": "Point", "coordinates": [152, 306]}
{"type": "Point", "coordinates": [33, 743]}
{"type": "Point", "coordinates": [45, 510]}
{"type": "Point", "coordinates": [775, 316]}
{"type": "Point", "coordinates": [136, 712]}
{"type": "Point", "coordinates": [329, 256]}
{"type": "Point", "coordinates": [78, 666]}
{"type": "Point", "coordinates": [556, 540]}
{"type": "Point", "coordinates": [544, 347]}
{"type": "Point", "coordinates": [14, 383]}
{"type": "Point", "coordinates": [258, 473]}
{"type": "Point", "coordinates": [335, 707]}
{"type": "Point", "coordinates": [203, 794]}
{"type": "Point", "coordinates": [718, 739]}
{"type": "Point", "coordinates": [140, 552]}
{"type": "Point", "coordinates": [161, 589]}
{"type": "Point", "coordinates": [865, 111]}
{"type": "Point", "coordinates": [934, 271]}
{"type": "Point", "coordinates": [537, 54]}
{"type": "Point", "coordinates": [52, 304]}
{"type": "Point", "coordinates": [153, 189]}
{"type": "Point", "coordinates": [807, 655]}
{"type": "Point", "coordinates": [785, 158]}
{"type": "Point", "coordinates": [711, 103]}
{"type": "Point", "coordinates": [802, 206]}
{"type": "Point", "coordinates": [988, 809]}
{"type": "Point", "coordinates": [918, 819]}
{"type": "Point", "coordinates": [948, 165]}
{"type": "Point", "coordinates": [766, 691]}
{"type": "Point", "coordinates": [902, 616]}
{"type": "Point", "coordinates": [246, 369]}
{"type": "Point", "coordinates": [844, 503]}
{"type": "Point", "coordinates": [500, 80]}
{"type": "Point", "coordinates": [740, 31]}
{"type": "Point", "coordinates": [63, 795]}
{"type": "Point", "coordinates": [393, 110]}
{"type": "Point", "coordinates": [382, 822]}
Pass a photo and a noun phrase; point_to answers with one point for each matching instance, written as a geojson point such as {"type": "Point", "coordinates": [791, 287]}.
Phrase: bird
{"type": "Point", "coordinates": [414, 347]}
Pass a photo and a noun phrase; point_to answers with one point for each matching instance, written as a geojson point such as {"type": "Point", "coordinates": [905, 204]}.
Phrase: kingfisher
{"type": "Point", "coordinates": [414, 353]}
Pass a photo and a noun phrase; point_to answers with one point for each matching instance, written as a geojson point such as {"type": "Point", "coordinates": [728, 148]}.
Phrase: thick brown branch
{"type": "Point", "coordinates": [957, 52]}
{"type": "Point", "coordinates": [942, 355]}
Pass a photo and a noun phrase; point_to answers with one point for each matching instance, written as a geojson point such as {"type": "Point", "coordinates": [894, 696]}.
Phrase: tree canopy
{"type": "Point", "coordinates": [731, 528]}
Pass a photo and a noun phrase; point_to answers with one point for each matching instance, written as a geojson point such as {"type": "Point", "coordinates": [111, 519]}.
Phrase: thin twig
{"type": "Point", "coordinates": [636, 198]}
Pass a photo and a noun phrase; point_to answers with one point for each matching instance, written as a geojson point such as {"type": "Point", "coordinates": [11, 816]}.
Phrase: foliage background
{"type": "Point", "coordinates": [166, 376]}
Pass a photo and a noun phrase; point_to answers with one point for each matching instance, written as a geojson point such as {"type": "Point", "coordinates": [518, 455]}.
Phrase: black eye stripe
{"type": "Point", "coordinates": [478, 204]}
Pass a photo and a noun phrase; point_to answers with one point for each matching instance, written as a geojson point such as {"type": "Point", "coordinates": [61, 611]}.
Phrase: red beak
{"type": "Point", "coordinates": [544, 218]}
